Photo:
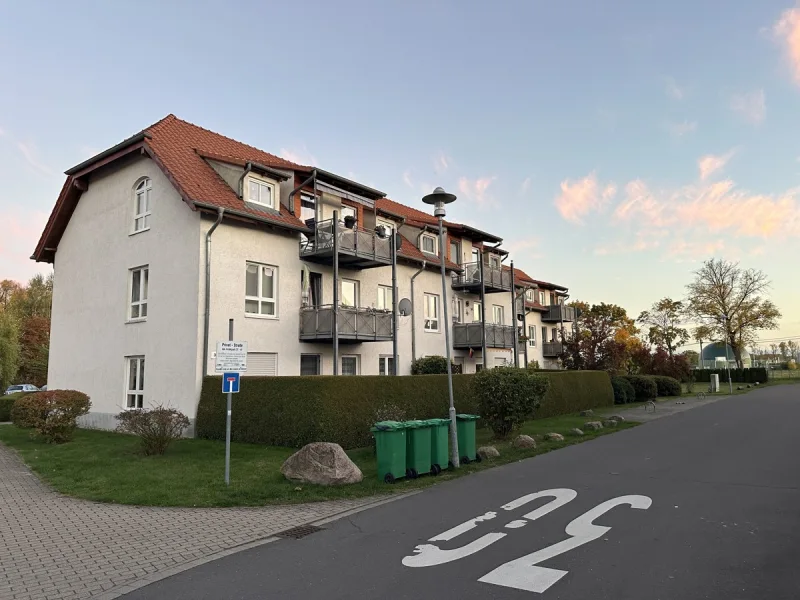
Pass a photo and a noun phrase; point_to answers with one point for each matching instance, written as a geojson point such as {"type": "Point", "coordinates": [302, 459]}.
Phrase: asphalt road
{"type": "Point", "coordinates": [711, 510]}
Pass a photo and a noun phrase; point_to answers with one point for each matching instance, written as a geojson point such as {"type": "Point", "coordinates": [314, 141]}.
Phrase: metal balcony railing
{"type": "Point", "coordinates": [552, 349]}
{"type": "Point", "coordinates": [355, 324]}
{"type": "Point", "coordinates": [555, 312]}
{"type": "Point", "coordinates": [468, 335]}
{"type": "Point", "coordinates": [357, 247]}
{"type": "Point", "coordinates": [497, 279]}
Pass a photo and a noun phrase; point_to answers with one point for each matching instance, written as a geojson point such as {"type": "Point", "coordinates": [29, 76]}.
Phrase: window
{"type": "Point", "coordinates": [349, 211]}
{"type": "Point", "coordinates": [350, 364]}
{"type": "Point", "coordinates": [139, 285]}
{"type": "Point", "coordinates": [309, 364]}
{"type": "Point", "coordinates": [260, 294]}
{"type": "Point", "coordinates": [554, 332]}
{"type": "Point", "coordinates": [529, 296]}
{"type": "Point", "coordinates": [389, 226]}
{"type": "Point", "coordinates": [261, 192]}
{"type": "Point", "coordinates": [553, 298]}
{"type": "Point", "coordinates": [431, 312]}
{"type": "Point", "coordinates": [532, 336]}
{"type": "Point", "coordinates": [476, 255]}
{"type": "Point", "coordinates": [544, 335]}
{"type": "Point", "coordinates": [308, 207]}
{"type": "Point", "coordinates": [458, 310]}
{"type": "Point", "coordinates": [476, 312]}
{"type": "Point", "coordinates": [384, 297]}
{"type": "Point", "coordinates": [428, 244]}
{"type": "Point", "coordinates": [497, 314]}
{"type": "Point", "coordinates": [264, 364]}
{"type": "Point", "coordinates": [494, 261]}
{"type": "Point", "coordinates": [541, 298]}
{"type": "Point", "coordinates": [134, 396]}
{"type": "Point", "coordinates": [500, 362]}
{"type": "Point", "coordinates": [478, 367]}
{"type": "Point", "coordinates": [455, 252]}
{"type": "Point", "coordinates": [141, 205]}
{"type": "Point", "coordinates": [349, 295]}
{"type": "Point", "coordinates": [386, 365]}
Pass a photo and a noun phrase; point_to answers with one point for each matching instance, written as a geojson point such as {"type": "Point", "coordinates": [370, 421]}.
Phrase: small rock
{"type": "Point", "coordinates": [524, 441]}
{"type": "Point", "coordinates": [595, 425]}
{"type": "Point", "coordinates": [610, 423]}
{"type": "Point", "coordinates": [587, 413]}
{"type": "Point", "coordinates": [487, 452]}
{"type": "Point", "coordinates": [618, 418]}
{"type": "Point", "coordinates": [576, 432]}
{"type": "Point", "coordinates": [749, 386]}
{"type": "Point", "coordinates": [739, 388]}
{"type": "Point", "coordinates": [756, 383]}
{"type": "Point", "coordinates": [321, 463]}
{"type": "Point", "coordinates": [554, 437]}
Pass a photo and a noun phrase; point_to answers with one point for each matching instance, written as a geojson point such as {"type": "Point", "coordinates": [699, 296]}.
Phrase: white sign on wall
{"type": "Point", "coordinates": [231, 357]}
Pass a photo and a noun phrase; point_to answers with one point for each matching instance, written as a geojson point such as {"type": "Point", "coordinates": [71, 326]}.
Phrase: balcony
{"type": "Point", "coordinates": [358, 248]}
{"type": "Point", "coordinates": [555, 311]}
{"type": "Point", "coordinates": [469, 280]}
{"type": "Point", "coordinates": [552, 349]}
{"type": "Point", "coordinates": [468, 335]}
{"type": "Point", "coordinates": [356, 325]}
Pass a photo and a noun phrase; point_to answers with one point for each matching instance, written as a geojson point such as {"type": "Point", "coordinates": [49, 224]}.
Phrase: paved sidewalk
{"type": "Point", "coordinates": [52, 546]}
{"type": "Point", "coordinates": [664, 408]}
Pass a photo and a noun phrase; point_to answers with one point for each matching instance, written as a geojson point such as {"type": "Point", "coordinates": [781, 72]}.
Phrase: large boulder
{"type": "Point", "coordinates": [487, 452]}
{"type": "Point", "coordinates": [618, 418]}
{"type": "Point", "coordinates": [321, 463]}
{"type": "Point", "coordinates": [587, 413]}
{"type": "Point", "coordinates": [595, 425]}
{"type": "Point", "coordinates": [576, 432]}
{"type": "Point", "coordinates": [610, 423]}
{"type": "Point", "coordinates": [554, 437]}
{"type": "Point", "coordinates": [524, 441]}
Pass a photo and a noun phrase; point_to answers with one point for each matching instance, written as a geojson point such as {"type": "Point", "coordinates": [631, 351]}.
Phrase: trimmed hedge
{"type": "Point", "coordinates": [293, 411]}
{"type": "Point", "coordinates": [623, 390]}
{"type": "Point", "coordinates": [644, 387]}
{"type": "Point", "coordinates": [667, 386]}
{"type": "Point", "coordinates": [752, 375]}
{"type": "Point", "coordinates": [7, 403]}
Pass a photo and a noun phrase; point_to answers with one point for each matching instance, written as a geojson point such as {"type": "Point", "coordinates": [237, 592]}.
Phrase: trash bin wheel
{"type": "Point", "coordinates": [478, 458]}
{"type": "Point", "coordinates": [465, 460]}
{"type": "Point", "coordinates": [388, 478]}
{"type": "Point", "coordinates": [411, 474]}
{"type": "Point", "coordinates": [436, 469]}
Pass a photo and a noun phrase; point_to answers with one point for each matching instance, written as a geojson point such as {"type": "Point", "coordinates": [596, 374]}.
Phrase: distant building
{"type": "Point", "coordinates": [717, 355]}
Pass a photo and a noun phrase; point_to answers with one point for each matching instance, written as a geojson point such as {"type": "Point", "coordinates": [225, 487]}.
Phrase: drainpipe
{"type": "Point", "coordinates": [564, 298]}
{"type": "Point", "coordinates": [513, 313]}
{"type": "Point", "coordinates": [247, 169]}
{"type": "Point", "coordinates": [293, 193]}
{"type": "Point", "coordinates": [413, 314]}
{"type": "Point", "coordinates": [220, 213]}
{"type": "Point", "coordinates": [483, 315]}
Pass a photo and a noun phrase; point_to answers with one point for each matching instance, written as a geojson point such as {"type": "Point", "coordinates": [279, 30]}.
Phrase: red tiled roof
{"type": "Point", "coordinates": [521, 279]}
{"type": "Point", "coordinates": [410, 251]}
{"type": "Point", "coordinates": [417, 217]}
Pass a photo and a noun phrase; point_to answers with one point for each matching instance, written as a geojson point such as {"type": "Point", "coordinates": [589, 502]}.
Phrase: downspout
{"type": "Point", "coordinates": [564, 298]}
{"type": "Point", "coordinates": [206, 317]}
{"type": "Point", "coordinates": [293, 193]}
{"type": "Point", "coordinates": [413, 315]}
{"type": "Point", "coordinates": [247, 169]}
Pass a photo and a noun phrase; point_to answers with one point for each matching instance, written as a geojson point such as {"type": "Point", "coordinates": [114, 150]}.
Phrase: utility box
{"type": "Point", "coordinates": [714, 383]}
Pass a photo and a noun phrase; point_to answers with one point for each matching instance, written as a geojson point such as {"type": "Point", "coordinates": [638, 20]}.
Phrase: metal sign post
{"type": "Point", "coordinates": [231, 361]}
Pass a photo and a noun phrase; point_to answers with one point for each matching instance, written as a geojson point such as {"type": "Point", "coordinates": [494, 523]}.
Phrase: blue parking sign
{"type": "Point", "coordinates": [230, 383]}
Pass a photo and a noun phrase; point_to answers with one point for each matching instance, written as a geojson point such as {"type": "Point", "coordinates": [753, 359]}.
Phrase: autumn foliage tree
{"type": "Point", "coordinates": [602, 339]}
{"type": "Point", "coordinates": [664, 323]}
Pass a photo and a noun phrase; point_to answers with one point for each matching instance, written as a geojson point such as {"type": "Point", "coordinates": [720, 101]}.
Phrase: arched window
{"type": "Point", "coordinates": [141, 205]}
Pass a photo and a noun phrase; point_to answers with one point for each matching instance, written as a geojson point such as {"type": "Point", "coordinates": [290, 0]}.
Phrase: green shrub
{"type": "Point", "coordinates": [690, 381]}
{"type": "Point", "coordinates": [667, 386]}
{"type": "Point", "coordinates": [623, 390]}
{"type": "Point", "coordinates": [156, 427]}
{"type": "Point", "coordinates": [429, 365]}
{"type": "Point", "coordinates": [53, 414]}
{"type": "Point", "coordinates": [751, 375]}
{"type": "Point", "coordinates": [507, 396]}
{"type": "Point", "coordinates": [293, 411]}
{"type": "Point", "coordinates": [7, 404]}
{"type": "Point", "coordinates": [644, 387]}
{"type": "Point", "coordinates": [533, 366]}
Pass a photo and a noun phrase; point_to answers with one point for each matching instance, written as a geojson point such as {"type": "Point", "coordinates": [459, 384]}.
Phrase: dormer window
{"type": "Point", "coordinates": [494, 261]}
{"type": "Point", "coordinates": [428, 244]}
{"type": "Point", "coordinates": [529, 295]}
{"type": "Point", "coordinates": [261, 192]}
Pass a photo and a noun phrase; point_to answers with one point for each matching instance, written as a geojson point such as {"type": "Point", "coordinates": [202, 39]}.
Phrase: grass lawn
{"type": "Point", "coordinates": [107, 467]}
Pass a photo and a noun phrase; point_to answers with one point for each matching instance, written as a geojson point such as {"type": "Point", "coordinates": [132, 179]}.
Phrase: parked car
{"type": "Point", "coordinates": [43, 388]}
{"type": "Point", "coordinates": [22, 387]}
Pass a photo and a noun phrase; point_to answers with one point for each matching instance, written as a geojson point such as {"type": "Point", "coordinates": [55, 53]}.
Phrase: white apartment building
{"type": "Point", "coordinates": [158, 241]}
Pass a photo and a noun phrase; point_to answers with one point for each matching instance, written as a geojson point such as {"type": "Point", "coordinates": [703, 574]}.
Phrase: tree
{"type": "Point", "coordinates": [664, 320]}
{"type": "Point", "coordinates": [34, 342]}
{"type": "Point", "coordinates": [730, 301]}
{"type": "Point", "coordinates": [784, 350]}
{"type": "Point", "coordinates": [602, 341]}
{"type": "Point", "coordinates": [692, 357]}
{"type": "Point", "coordinates": [9, 349]}
{"type": "Point", "coordinates": [774, 348]}
{"type": "Point", "coordinates": [35, 299]}
{"type": "Point", "coordinates": [794, 349]}
{"type": "Point", "coordinates": [8, 289]}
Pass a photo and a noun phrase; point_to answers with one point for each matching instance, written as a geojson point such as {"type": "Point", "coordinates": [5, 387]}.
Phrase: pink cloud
{"type": "Point", "coordinates": [301, 156]}
{"type": "Point", "coordinates": [29, 153]}
{"type": "Point", "coordinates": [787, 31]}
{"type": "Point", "coordinates": [682, 250]}
{"type": "Point", "coordinates": [579, 198]}
{"type": "Point", "coordinates": [441, 162]}
{"type": "Point", "coordinates": [642, 242]}
{"type": "Point", "coordinates": [709, 164]}
{"type": "Point", "coordinates": [407, 179]}
{"type": "Point", "coordinates": [477, 189]}
{"type": "Point", "coordinates": [751, 106]}
{"type": "Point", "coordinates": [21, 231]}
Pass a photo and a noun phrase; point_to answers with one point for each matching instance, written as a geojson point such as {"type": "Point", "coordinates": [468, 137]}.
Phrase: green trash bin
{"type": "Point", "coordinates": [440, 435]}
{"type": "Point", "coordinates": [418, 448]}
{"type": "Point", "coordinates": [465, 425]}
{"type": "Point", "coordinates": [390, 445]}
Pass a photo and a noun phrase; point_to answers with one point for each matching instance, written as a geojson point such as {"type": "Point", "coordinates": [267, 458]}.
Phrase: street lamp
{"type": "Point", "coordinates": [438, 199]}
{"type": "Point", "coordinates": [727, 355]}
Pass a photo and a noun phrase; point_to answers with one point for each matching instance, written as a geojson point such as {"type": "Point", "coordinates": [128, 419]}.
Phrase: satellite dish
{"type": "Point", "coordinates": [404, 307]}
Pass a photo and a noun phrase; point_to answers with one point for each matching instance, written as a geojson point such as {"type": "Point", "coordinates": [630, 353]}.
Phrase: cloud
{"type": "Point", "coordinates": [441, 162]}
{"type": "Point", "coordinates": [678, 130]}
{"type": "Point", "coordinates": [579, 198]}
{"type": "Point", "coordinates": [787, 31]}
{"type": "Point", "coordinates": [476, 190]}
{"type": "Point", "coordinates": [750, 106]}
{"type": "Point", "coordinates": [407, 179]}
{"type": "Point", "coordinates": [673, 90]}
{"type": "Point", "coordinates": [28, 151]}
{"type": "Point", "coordinates": [21, 231]}
{"type": "Point", "coordinates": [641, 243]}
{"type": "Point", "coordinates": [525, 248]}
{"type": "Point", "coordinates": [526, 185]}
{"type": "Point", "coordinates": [301, 157]}
{"type": "Point", "coordinates": [710, 164]}
{"type": "Point", "coordinates": [681, 250]}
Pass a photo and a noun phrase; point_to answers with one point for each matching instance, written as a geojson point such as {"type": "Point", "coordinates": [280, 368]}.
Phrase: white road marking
{"type": "Point", "coordinates": [516, 524]}
{"type": "Point", "coordinates": [429, 555]}
{"type": "Point", "coordinates": [463, 528]}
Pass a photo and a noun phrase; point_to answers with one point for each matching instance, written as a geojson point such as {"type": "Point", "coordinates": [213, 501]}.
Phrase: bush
{"type": "Point", "coordinates": [737, 375]}
{"type": "Point", "coordinates": [667, 386]}
{"type": "Point", "coordinates": [156, 427]}
{"type": "Point", "coordinates": [690, 381]}
{"type": "Point", "coordinates": [53, 414]}
{"type": "Point", "coordinates": [533, 366]}
{"type": "Point", "coordinates": [623, 390]}
{"type": "Point", "coordinates": [7, 404]}
{"type": "Point", "coordinates": [644, 387]}
{"type": "Point", "coordinates": [429, 365]}
{"type": "Point", "coordinates": [507, 396]}
{"type": "Point", "coordinates": [293, 411]}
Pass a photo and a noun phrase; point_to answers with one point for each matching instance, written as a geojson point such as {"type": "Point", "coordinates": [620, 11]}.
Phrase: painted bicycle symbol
{"type": "Point", "coordinates": [524, 573]}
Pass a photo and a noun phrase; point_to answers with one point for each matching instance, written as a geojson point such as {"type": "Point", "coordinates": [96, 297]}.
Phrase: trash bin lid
{"type": "Point", "coordinates": [388, 426]}
{"type": "Point", "coordinates": [438, 422]}
{"type": "Point", "coordinates": [465, 417]}
{"type": "Point", "coordinates": [415, 424]}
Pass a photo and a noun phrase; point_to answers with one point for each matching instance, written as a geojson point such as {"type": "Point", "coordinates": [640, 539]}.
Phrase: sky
{"type": "Point", "coordinates": [613, 145]}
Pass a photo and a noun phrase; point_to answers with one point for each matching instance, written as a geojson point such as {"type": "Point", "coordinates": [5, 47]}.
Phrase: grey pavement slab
{"type": "Point", "coordinates": [708, 508]}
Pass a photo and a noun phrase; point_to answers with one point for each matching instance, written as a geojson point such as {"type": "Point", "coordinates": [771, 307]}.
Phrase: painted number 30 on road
{"type": "Point", "coordinates": [524, 573]}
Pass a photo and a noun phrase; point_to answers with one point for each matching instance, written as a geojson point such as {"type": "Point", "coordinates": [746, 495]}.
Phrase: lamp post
{"type": "Point", "coordinates": [438, 199]}
{"type": "Point", "coordinates": [727, 355]}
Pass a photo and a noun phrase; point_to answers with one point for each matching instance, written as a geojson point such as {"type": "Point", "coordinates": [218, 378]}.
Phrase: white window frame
{"type": "Point", "coordinates": [554, 334]}
{"type": "Point", "coordinates": [259, 298]}
{"type": "Point", "coordinates": [304, 197]}
{"type": "Point", "coordinates": [143, 188]}
{"type": "Point", "coordinates": [476, 312]}
{"type": "Point", "coordinates": [532, 336]}
{"type": "Point", "coordinates": [137, 391]}
{"type": "Point", "coordinates": [356, 289]}
{"type": "Point", "coordinates": [429, 319]}
{"type": "Point", "coordinates": [541, 298]}
{"type": "Point", "coordinates": [494, 261]}
{"type": "Point", "coordinates": [357, 357]}
{"type": "Point", "coordinates": [434, 239]}
{"type": "Point", "coordinates": [457, 258]}
{"type": "Point", "coordinates": [458, 310]}
{"type": "Point", "coordinates": [261, 183]}
{"type": "Point", "coordinates": [384, 297]}
{"type": "Point", "coordinates": [138, 306]}
{"type": "Point", "coordinates": [529, 296]}
{"type": "Point", "coordinates": [383, 364]}
{"type": "Point", "coordinates": [498, 310]}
